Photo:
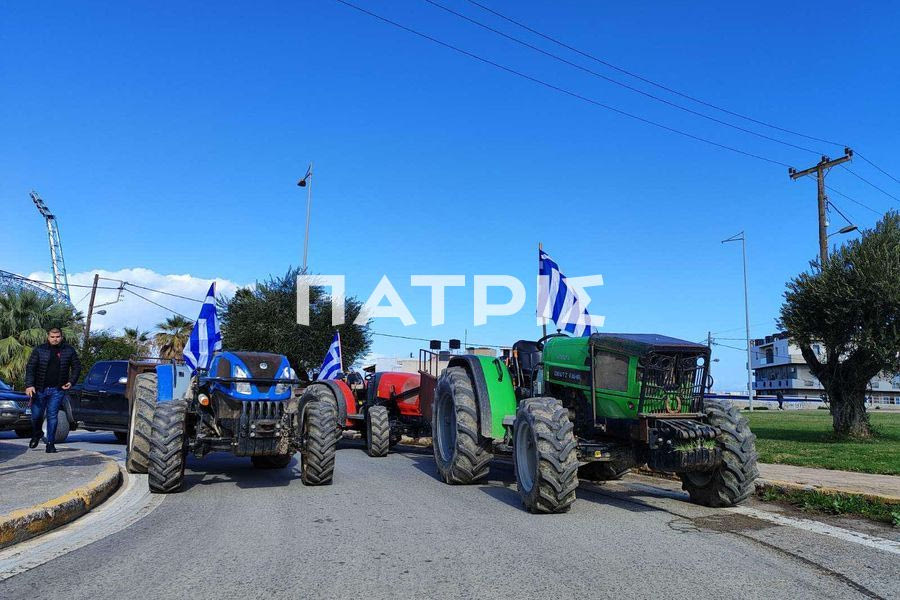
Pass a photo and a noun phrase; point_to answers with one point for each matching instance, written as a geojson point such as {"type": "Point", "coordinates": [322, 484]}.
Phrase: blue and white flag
{"type": "Point", "coordinates": [557, 300]}
{"type": "Point", "coordinates": [205, 337]}
{"type": "Point", "coordinates": [332, 365]}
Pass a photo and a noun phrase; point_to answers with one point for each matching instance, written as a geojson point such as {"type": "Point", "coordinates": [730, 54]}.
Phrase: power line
{"type": "Point", "coordinates": [870, 183]}
{"type": "Point", "coordinates": [839, 193]}
{"type": "Point", "coordinates": [834, 206]}
{"type": "Point", "coordinates": [159, 305]}
{"type": "Point", "coordinates": [616, 81]}
{"type": "Point", "coordinates": [877, 167]}
{"type": "Point", "coordinates": [646, 80]}
{"type": "Point", "coordinates": [162, 292]}
{"type": "Point", "coordinates": [418, 339]}
{"type": "Point", "coordinates": [557, 88]}
{"type": "Point", "coordinates": [99, 287]}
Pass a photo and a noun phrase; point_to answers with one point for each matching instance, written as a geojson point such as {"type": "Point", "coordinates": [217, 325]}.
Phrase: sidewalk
{"type": "Point", "coordinates": [881, 487]}
{"type": "Point", "coordinates": [42, 491]}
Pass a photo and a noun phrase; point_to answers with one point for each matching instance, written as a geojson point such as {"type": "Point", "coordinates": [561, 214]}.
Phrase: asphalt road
{"type": "Point", "coordinates": [388, 528]}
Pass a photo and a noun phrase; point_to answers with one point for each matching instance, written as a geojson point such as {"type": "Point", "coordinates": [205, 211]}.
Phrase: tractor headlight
{"type": "Point", "coordinates": [283, 387]}
{"type": "Point", "coordinates": [241, 388]}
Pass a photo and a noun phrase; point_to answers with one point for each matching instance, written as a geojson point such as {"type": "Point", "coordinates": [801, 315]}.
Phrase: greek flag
{"type": "Point", "coordinates": [557, 301]}
{"type": "Point", "coordinates": [205, 337]}
{"type": "Point", "coordinates": [332, 365]}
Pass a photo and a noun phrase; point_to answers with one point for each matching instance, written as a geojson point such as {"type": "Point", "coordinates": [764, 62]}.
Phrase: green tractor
{"type": "Point", "coordinates": [591, 408]}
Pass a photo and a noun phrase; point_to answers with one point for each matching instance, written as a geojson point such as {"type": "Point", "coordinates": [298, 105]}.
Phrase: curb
{"type": "Point", "coordinates": [790, 486]}
{"type": "Point", "coordinates": [25, 523]}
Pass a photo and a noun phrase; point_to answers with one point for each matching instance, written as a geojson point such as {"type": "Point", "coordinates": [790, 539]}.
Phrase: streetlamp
{"type": "Point", "coordinates": [743, 239]}
{"type": "Point", "coordinates": [306, 182]}
{"type": "Point", "coordinates": [845, 229]}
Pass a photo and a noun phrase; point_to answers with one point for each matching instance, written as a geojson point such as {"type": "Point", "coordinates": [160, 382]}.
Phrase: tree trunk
{"type": "Point", "coordinates": [848, 411]}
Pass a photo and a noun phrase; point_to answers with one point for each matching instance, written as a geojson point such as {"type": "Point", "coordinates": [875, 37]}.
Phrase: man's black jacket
{"type": "Point", "coordinates": [36, 369]}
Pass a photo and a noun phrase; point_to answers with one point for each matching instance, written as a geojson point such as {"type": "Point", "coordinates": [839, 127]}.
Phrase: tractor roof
{"type": "Point", "coordinates": [644, 343]}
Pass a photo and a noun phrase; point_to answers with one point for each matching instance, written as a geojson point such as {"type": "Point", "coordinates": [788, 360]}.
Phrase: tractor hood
{"type": "Point", "coordinates": [641, 344]}
{"type": "Point", "coordinates": [261, 370]}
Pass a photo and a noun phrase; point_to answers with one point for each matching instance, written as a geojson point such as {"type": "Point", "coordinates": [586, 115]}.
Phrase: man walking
{"type": "Point", "coordinates": [51, 370]}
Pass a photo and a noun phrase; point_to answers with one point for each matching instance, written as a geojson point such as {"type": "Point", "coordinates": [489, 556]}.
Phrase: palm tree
{"type": "Point", "coordinates": [25, 317]}
{"type": "Point", "coordinates": [139, 339]}
{"type": "Point", "coordinates": [173, 336]}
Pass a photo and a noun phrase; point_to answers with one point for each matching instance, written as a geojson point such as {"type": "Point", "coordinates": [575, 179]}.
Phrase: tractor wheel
{"type": "Point", "coordinates": [545, 460]}
{"type": "Point", "coordinates": [168, 448]}
{"type": "Point", "coordinates": [23, 432]}
{"type": "Point", "coordinates": [461, 454]}
{"type": "Point", "coordinates": [378, 431]}
{"type": "Point", "coordinates": [320, 443]}
{"type": "Point", "coordinates": [279, 461]}
{"type": "Point", "coordinates": [603, 471]}
{"type": "Point", "coordinates": [321, 393]}
{"type": "Point", "coordinates": [140, 423]}
{"type": "Point", "coordinates": [731, 482]}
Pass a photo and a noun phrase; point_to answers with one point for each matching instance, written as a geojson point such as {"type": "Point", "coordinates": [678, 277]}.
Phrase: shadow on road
{"type": "Point", "coordinates": [224, 468]}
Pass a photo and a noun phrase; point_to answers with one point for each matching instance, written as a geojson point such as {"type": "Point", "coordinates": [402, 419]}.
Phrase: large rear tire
{"type": "Point", "coordinates": [168, 448]}
{"type": "Point", "coordinates": [140, 423]}
{"type": "Point", "coordinates": [378, 431]}
{"type": "Point", "coordinates": [461, 454]}
{"type": "Point", "coordinates": [545, 459]}
{"type": "Point", "coordinates": [321, 393]}
{"type": "Point", "coordinates": [320, 443]}
{"type": "Point", "coordinates": [731, 482]}
{"type": "Point", "coordinates": [278, 461]}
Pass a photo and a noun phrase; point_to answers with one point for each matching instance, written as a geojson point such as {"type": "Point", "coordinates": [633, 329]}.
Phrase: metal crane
{"type": "Point", "coordinates": [57, 264]}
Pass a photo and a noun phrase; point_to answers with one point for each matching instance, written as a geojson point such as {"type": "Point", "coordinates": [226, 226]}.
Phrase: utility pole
{"type": "Point", "coordinates": [820, 170]}
{"type": "Point", "coordinates": [743, 239]}
{"type": "Point", "coordinates": [87, 325]}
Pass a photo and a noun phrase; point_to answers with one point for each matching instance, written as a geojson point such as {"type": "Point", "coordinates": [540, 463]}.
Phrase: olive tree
{"type": "Point", "coordinates": [850, 305]}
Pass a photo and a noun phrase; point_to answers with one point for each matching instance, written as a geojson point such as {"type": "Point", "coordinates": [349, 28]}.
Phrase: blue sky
{"type": "Point", "coordinates": [169, 137]}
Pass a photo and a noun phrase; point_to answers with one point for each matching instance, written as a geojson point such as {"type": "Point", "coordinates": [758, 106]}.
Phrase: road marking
{"type": "Point", "coordinates": [129, 505]}
{"type": "Point", "coordinates": [846, 535]}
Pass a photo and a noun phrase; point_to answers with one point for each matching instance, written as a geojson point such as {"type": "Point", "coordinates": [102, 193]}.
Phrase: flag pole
{"type": "Point", "coordinates": [543, 320]}
{"type": "Point", "coordinates": [340, 351]}
{"type": "Point", "coordinates": [308, 203]}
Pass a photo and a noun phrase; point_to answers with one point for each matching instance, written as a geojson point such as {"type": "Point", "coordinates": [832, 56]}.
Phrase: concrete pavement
{"type": "Point", "coordinates": [881, 487]}
{"type": "Point", "coordinates": [43, 491]}
{"type": "Point", "coordinates": [388, 528]}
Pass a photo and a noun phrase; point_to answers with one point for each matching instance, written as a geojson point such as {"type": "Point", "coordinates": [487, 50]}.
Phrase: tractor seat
{"type": "Point", "coordinates": [529, 356]}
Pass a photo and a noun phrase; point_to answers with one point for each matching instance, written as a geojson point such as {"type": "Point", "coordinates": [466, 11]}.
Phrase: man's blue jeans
{"type": "Point", "coordinates": [46, 403]}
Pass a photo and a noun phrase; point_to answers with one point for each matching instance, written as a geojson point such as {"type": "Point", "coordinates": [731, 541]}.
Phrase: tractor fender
{"type": "Point", "coordinates": [172, 381]}
{"type": "Point", "coordinates": [473, 367]}
{"type": "Point", "coordinates": [346, 403]}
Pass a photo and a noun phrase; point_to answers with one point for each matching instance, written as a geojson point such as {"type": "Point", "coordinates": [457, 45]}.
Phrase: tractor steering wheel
{"type": "Point", "coordinates": [540, 342]}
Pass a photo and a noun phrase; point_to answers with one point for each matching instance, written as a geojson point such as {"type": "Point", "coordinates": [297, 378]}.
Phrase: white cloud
{"type": "Point", "coordinates": [131, 311]}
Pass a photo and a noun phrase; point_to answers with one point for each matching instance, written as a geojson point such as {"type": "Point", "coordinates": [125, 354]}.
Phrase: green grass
{"type": "Point", "coordinates": [805, 438]}
{"type": "Point", "coordinates": [835, 504]}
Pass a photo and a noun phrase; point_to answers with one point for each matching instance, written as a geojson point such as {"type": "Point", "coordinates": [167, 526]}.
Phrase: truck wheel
{"type": "Point", "coordinates": [545, 460]}
{"type": "Point", "coordinates": [461, 454]}
{"type": "Point", "coordinates": [731, 482]}
{"type": "Point", "coordinates": [23, 432]}
{"type": "Point", "coordinates": [603, 471]}
{"type": "Point", "coordinates": [320, 443]}
{"type": "Point", "coordinates": [140, 423]}
{"type": "Point", "coordinates": [378, 431]}
{"type": "Point", "coordinates": [279, 461]}
{"type": "Point", "coordinates": [168, 448]}
{"type": "Point", "coordinates": [62, 427]}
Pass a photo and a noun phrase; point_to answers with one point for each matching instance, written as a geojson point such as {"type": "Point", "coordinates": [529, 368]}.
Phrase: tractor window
{"type": "Point", "coordinates": [611, 372]}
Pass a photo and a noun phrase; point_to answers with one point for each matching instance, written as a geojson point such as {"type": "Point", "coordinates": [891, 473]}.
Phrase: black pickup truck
{"type": "Point", "coordinates": [100, 403]}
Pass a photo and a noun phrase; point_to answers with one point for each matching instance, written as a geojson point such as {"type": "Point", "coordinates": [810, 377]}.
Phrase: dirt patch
{"type": "Point", "coordinates": [731, 523]}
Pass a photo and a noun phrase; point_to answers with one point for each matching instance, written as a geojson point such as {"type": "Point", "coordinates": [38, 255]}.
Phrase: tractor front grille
{"type": "Point", "coordinates": [262, 409]}
{"type": "Point", "coordinates": [672, 383]}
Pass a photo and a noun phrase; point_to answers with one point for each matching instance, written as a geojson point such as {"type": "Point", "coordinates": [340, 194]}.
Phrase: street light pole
{"type": "Point", "coordinates": [307, 183]}
{"type": "Point", "coordinates": [743, 239]}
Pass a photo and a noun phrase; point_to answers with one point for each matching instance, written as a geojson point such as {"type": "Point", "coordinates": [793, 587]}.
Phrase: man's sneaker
{"type": "Point", "coordinates": [34, 441]}
{"type": "Point", "coordinates": [51, 448]}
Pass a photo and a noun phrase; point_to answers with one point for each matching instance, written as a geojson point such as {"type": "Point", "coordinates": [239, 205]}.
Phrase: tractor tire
{"type": "Point", "coordinates": [603, 471]}
{"type": "Point", "coordinates": [168, 448]}
{"type": "Point", "coordinates": [22, 432]}
{"type": "Point", "coordinates": [544, 456]}
{"type": "Point", "coordinates": [278, 461]}
{"type": "Point", "coordinates": [461, 454]}
{"type": "Point", "coordinates": [62, 427]}
{"type": "Point", "coordinates": [378, 431]}
{"type": "Point", "coordinates": [320, 443]}
{"type": "Point", "coordinates": [731, 482]}
{"type": "Point", "coordinates": [140, 423]}
{"type": "Point", "coordinates": [320, 393]}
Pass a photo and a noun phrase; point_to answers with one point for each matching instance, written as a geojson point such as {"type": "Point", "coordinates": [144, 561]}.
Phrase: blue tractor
{"type": "Point", "coordinates": [245, 404]}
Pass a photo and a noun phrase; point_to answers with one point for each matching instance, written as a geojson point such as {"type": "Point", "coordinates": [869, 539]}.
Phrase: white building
{"type": "Point", "coordinates": [778, 365]}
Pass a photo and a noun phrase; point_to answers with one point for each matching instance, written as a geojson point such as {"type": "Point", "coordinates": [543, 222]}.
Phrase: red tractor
{"type": "Point", "coordinates": [383, 409]}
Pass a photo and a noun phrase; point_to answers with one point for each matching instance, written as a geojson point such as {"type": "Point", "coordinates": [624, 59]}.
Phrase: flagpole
{"type": "Point", "coordinates": [340, 351]}
{"type": "Point", "coordinates": [543, 321]}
